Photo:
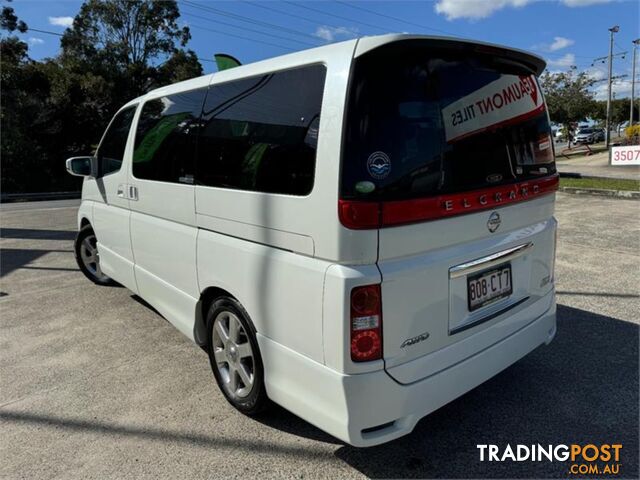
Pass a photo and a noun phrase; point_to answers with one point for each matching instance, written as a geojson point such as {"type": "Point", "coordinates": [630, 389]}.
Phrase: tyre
{"type": "Point", "coordinates": [235, 357]}
{"type": "Point", "coordinates": [88, 258]}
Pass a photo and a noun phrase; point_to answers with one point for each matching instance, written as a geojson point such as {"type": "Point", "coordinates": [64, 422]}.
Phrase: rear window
{"type": "Point", "coordinates": [423, 121]}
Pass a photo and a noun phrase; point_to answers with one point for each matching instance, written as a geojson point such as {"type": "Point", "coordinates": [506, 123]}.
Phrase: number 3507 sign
{"type": "Point", "coordinates": [627, 155]}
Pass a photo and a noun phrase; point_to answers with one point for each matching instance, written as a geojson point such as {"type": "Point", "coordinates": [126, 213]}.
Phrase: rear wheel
{"type": "Point", "coordinates": [234, 356]}
{"type": "Point", "coordinates": [88, 257]}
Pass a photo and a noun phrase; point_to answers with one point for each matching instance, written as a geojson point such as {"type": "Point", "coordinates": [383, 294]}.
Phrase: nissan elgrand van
{"type": "Point", "coordinates": [360, 232]}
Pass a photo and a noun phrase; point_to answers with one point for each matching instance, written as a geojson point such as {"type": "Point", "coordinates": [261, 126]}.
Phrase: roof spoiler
{"type": "Point", "coordinates": [531, 62]}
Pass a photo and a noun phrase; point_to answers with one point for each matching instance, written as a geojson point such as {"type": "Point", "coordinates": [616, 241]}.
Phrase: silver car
{"type": "Point", "coordinates": [586, 135]}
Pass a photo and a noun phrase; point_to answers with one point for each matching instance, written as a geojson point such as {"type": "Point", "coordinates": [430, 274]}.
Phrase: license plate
{"type": "Point", "coordinates": [488, 286]}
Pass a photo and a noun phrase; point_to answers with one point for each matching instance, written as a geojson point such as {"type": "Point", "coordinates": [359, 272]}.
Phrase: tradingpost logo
{"type": "Point", "coordinates": [586, 459]}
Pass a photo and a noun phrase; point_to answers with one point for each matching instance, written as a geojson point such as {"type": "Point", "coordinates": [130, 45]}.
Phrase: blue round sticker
{"type": "Point", "coordinates": [379, 165]}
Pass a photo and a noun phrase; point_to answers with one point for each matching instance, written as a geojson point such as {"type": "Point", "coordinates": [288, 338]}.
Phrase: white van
{"type": "Point", "coordinates": [360, 232]}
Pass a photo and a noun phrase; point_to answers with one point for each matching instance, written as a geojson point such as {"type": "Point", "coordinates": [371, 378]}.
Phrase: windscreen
{"type": "Point", "coordinates": [423, 121]}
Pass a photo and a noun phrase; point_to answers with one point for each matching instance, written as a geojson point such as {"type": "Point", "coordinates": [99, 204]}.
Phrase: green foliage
{"type": "Point", "coordinates": [122, 40]}
{"type": "Point", "coordinates": [9, 21]}
{"type": "Point", "coordinates": [601, 183]}
{"type": "Point", "coordinates": [182, 65]}
{"type": "Point", "coordinates": [619, 110]}
{"type": "Point", "coordinates": [115, 51]}
{"type": "Point", "coordinates": [568, 97]}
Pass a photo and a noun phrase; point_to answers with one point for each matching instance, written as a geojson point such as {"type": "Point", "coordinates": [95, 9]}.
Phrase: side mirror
{"type": "Point", "coordinates": [82, 166]}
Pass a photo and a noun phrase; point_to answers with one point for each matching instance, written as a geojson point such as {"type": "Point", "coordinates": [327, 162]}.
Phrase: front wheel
{"type": "Point", "coordinates": [235, 357]}
{"type": "Point", "coordinates": [88, 258]}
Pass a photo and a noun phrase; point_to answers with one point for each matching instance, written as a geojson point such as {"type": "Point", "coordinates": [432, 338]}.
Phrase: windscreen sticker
{"type": "Point", "coordinates": [379, 165]}
{"type": "Point", "coordinates": [506, 100]}
{"type": "Point", "coordinates": [365, 187]}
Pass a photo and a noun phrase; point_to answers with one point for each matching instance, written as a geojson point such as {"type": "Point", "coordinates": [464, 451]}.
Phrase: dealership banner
{"type": "Point", "coordinates": [507, 100]}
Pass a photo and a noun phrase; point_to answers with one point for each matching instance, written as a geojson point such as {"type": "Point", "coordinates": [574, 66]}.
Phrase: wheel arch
{"type": "Point", "coordinates": [207, 297]}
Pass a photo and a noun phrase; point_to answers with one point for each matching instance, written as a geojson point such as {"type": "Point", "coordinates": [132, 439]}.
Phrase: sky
{"type": "Point", "coordinates": [565, 32]}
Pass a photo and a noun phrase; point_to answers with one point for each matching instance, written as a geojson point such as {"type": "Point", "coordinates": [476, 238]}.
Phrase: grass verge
{"type": "Point", "coordinates": [601, 183]}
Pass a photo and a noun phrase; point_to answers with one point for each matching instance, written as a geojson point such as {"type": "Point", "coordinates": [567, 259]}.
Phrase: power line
{"type": "Point", "coordinates": [248, 29]}
{"type": "Point", "coordinates": [603, 59]}
{"type": "Point", "coordinates": [613, 79]}
{"type": "Point", "coordinates": [556, 54]}
{"type": "Point", "coordinates": [29, 29]}
{"type": "Point", "coordinates": [210, 30]}
{"type": "Point", "coordinates": [357, 7]}
{"type": "Point", "coordinates": [618, 46]}
{"type": "Point", "coordinates": [245, 19]}
{"type": "Point", "coordinates": [322, 12]}
{"type": "Point", "coordinates": [288, 14]}
{"type": "Point", "coordinates": [242, 37]}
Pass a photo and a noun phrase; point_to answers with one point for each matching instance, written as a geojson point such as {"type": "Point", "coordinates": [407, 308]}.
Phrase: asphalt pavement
{"type": "Point", "coordinates": [95, 384]}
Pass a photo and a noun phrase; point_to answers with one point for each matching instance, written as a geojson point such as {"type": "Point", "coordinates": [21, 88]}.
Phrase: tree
{"type": "Point", "coordinates": [619, 111]}
{"type": "Point", "coordinates": [121, 39]}
{"type": "Point", "coordinates": [115, 51]}
{"type": "Point", "coordinates": [568, 97]}
{"type": "Point", "coordinates": [9, 20]}
{"type": "Point", "coordinates": [132, 31]}
{"type": "Point", "coordinates": [182, 65]}
{"type": "Point", "coordinates": [27, 139]}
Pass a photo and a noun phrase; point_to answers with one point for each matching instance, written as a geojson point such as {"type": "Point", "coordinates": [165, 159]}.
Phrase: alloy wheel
{"type": "Point", "coordinates": [91, 258]}
{"type": "Point", "coordinates": [233, 355]}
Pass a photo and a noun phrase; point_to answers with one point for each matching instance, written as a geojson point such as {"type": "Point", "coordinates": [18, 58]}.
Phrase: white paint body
{"type": "Point", "coordinates": [289, 261]}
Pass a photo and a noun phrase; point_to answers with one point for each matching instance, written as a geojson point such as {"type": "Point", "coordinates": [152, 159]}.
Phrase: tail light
{"type": "Point", "coordinates": [543, 151]}
{"type": "Point", "coordinates": [366, 323]}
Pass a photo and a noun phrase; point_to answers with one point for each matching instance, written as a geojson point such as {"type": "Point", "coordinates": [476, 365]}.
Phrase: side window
{"type": "Point", "coordinates": [111, 150]}
{"type": "Point", "coordinates": [166, 137]}
{"type": "Point", "coordinates": [261, 133]}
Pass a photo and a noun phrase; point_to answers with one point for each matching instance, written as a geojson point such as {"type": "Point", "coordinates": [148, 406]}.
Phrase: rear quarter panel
{"type": "Point", "coordinates": [280, 290]}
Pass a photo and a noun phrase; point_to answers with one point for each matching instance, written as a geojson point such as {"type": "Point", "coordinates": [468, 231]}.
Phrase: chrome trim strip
{"type": "Point", "coordinates": [488, 261]}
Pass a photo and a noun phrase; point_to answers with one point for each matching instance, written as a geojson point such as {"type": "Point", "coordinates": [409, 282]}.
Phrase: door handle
{"type": "Point", "coordinates": [133, 192]}
{"type": "Point", "coordinates": [130, 192]}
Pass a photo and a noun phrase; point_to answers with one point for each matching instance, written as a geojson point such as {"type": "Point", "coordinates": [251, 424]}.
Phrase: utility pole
{"type": "Point", "coordinates": [612, 30]}
{"type": "Point", "coordinates": [636, 42]}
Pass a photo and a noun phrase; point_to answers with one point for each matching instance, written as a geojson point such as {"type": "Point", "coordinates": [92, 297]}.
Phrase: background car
{"type": "Point", "coordinates": [599, 135]}
{"type": "Point", "coordinates": [585, 135]}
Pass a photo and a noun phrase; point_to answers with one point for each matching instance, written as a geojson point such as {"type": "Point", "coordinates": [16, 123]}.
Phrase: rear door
{"type": "Point", "coordinates": [454, 146]}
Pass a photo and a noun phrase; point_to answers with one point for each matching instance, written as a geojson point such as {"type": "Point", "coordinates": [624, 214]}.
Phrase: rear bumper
{"type": "Point", "coordinates": [350, 407]}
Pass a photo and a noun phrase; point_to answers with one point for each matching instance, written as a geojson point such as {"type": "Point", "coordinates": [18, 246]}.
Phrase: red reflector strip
{"type": "Point", "coordinates": [363, 215]}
